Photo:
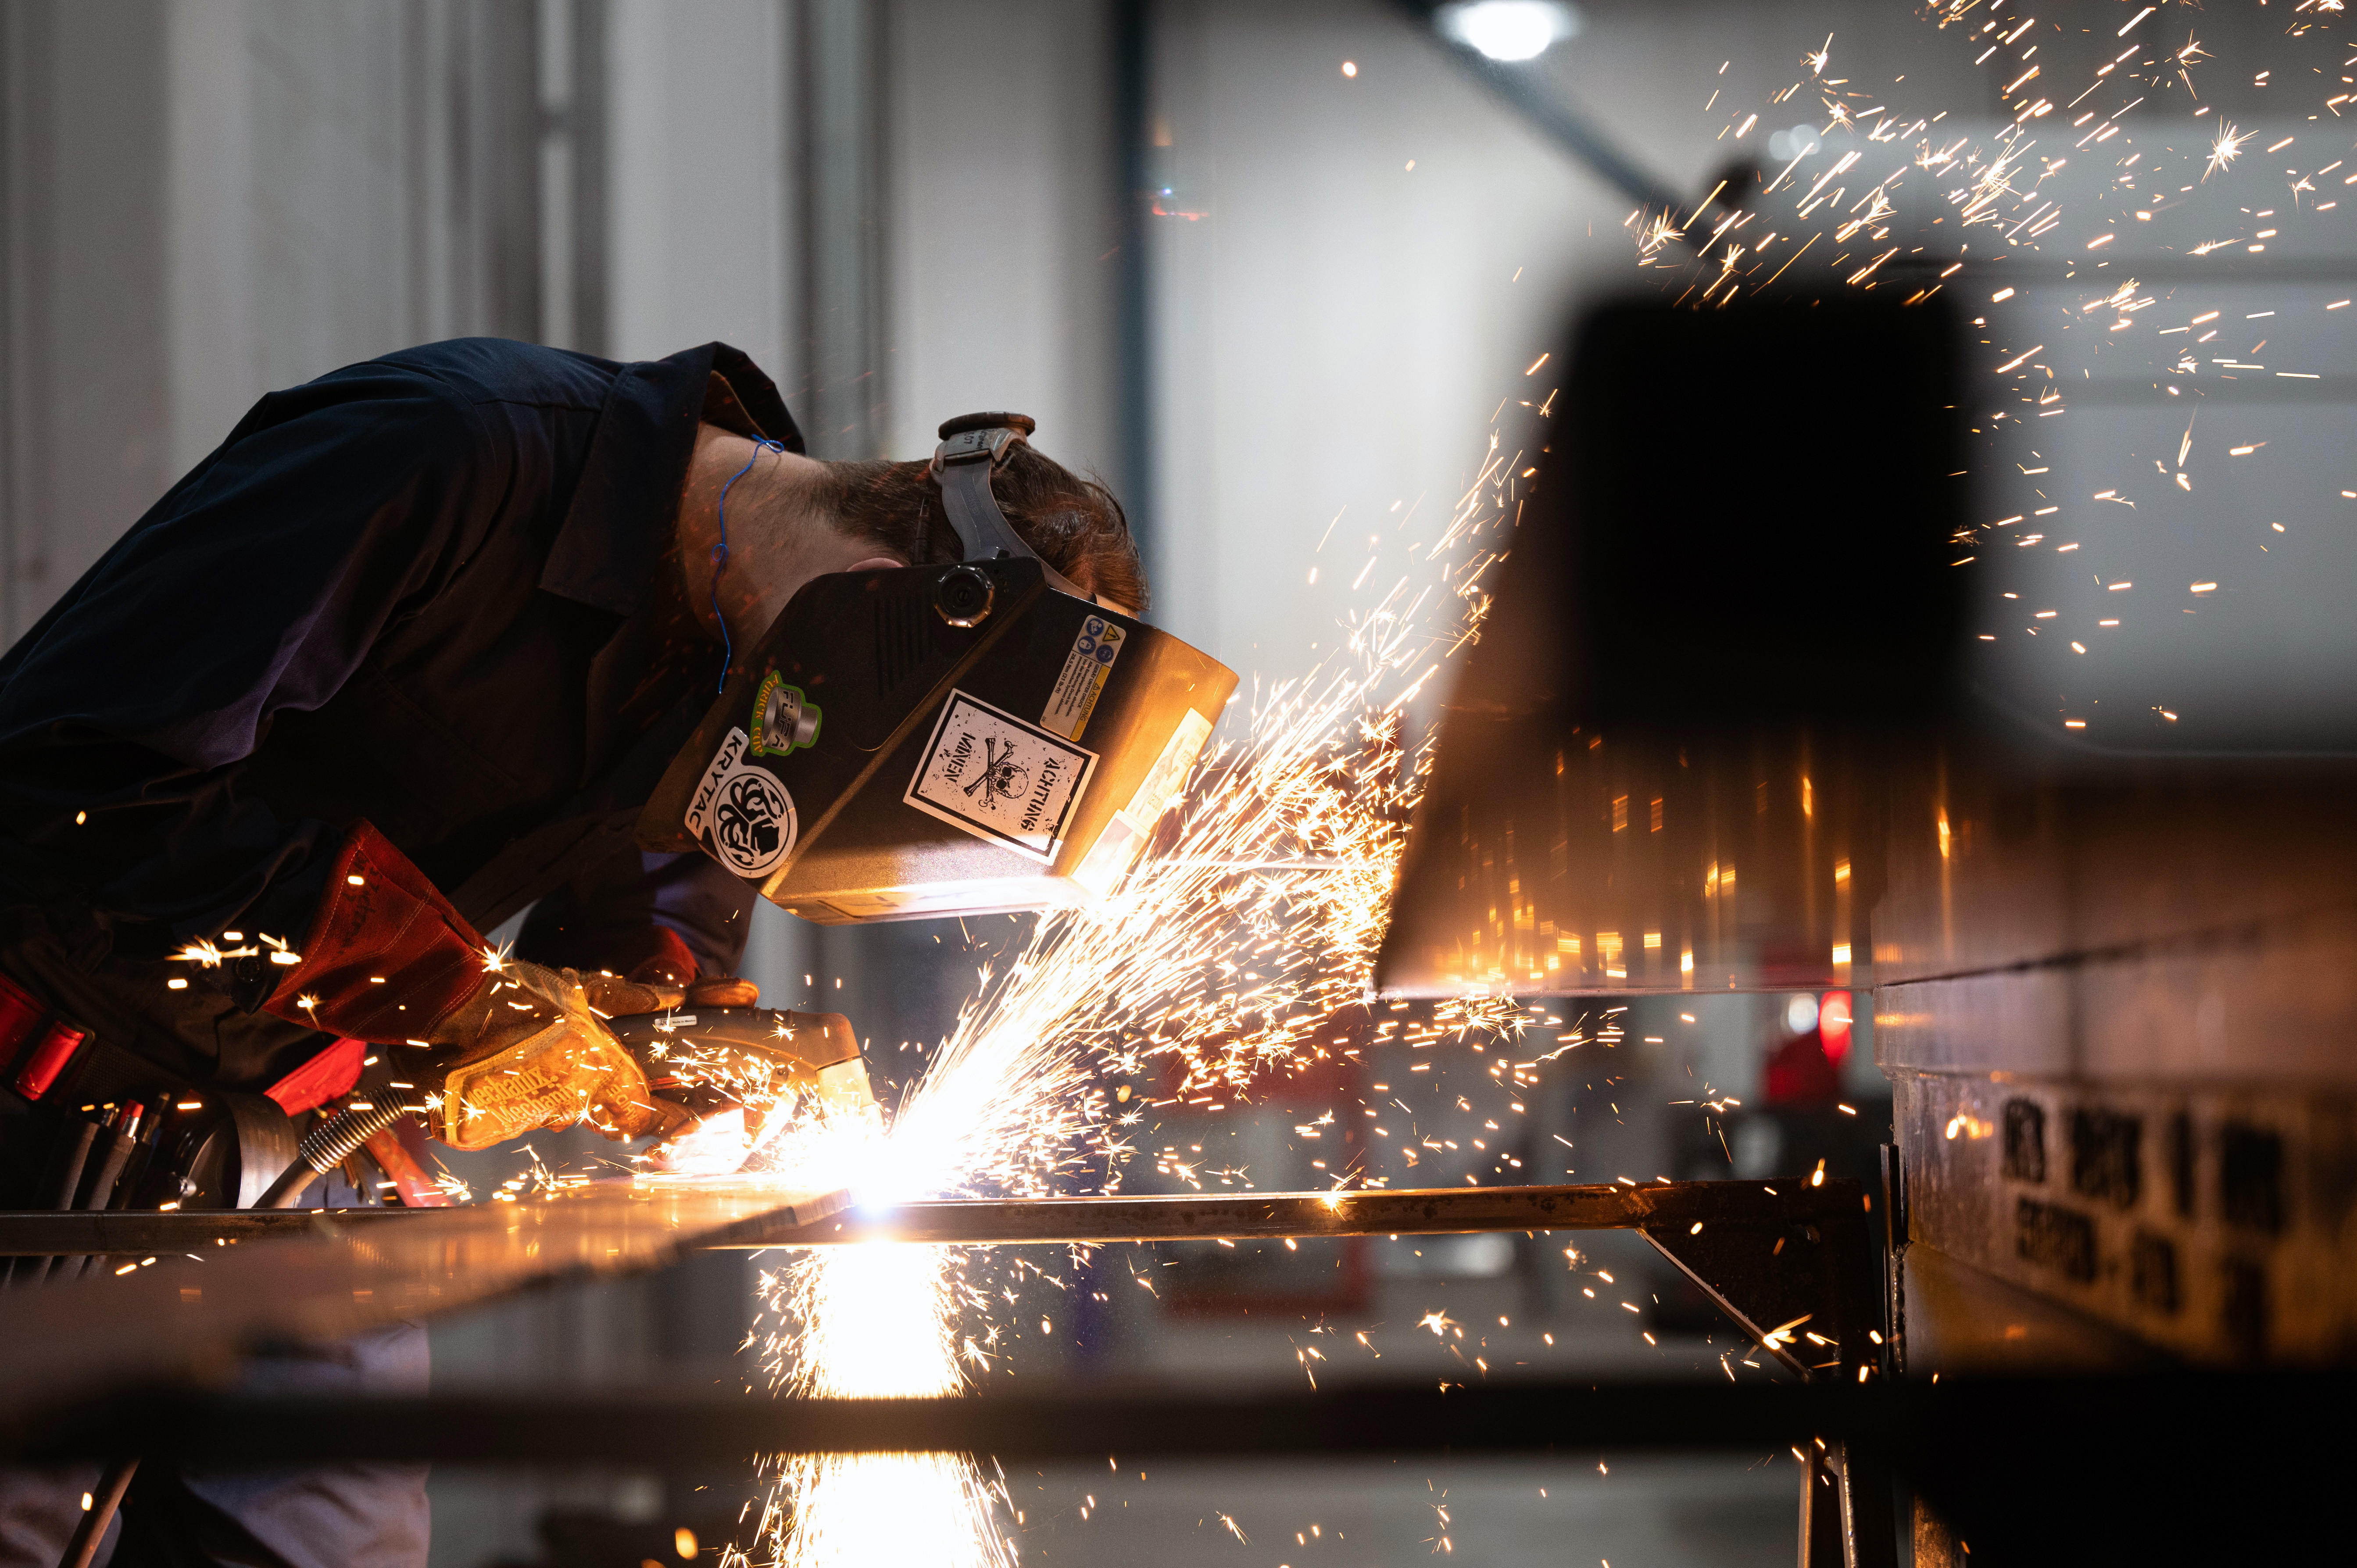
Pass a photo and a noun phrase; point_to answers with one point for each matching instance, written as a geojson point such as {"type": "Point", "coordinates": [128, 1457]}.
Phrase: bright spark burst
{"type": "Point", "coordinates": [210, 955]}
{"type": "Point", "coordinates": [1659, 231]}
{"type": "Point", "coordinates": [2226, 148]}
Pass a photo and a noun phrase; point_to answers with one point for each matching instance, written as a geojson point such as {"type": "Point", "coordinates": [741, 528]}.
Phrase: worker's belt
{"type": "Point", "coordinates": [49, 1059]}
{"type": "Point", "coordinates": [51, 1067]}
{"type": "Point", "coordinates": [87, 1124]}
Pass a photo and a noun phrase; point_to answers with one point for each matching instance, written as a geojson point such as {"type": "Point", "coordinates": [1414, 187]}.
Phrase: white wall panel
{"type": "Point", "coordinates": [1003, 223]}
{"type": "Point", "coordinates": [698, 221]}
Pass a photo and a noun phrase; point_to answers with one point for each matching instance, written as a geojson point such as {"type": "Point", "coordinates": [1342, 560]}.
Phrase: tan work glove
{"type": "Point", "coordinates": [526, 1050]}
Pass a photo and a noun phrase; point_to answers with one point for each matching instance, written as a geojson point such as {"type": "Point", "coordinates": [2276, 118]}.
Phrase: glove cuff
{"type": "Point", "coordinates": [386, 955]}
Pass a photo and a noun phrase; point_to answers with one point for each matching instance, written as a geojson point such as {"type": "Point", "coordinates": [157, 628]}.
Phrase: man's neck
{"type": "Point", "coordinates": [780, 534]}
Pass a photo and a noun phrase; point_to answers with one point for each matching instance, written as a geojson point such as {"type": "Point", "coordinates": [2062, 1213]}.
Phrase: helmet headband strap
{"type": "Point", "coordinates": [974, 446]}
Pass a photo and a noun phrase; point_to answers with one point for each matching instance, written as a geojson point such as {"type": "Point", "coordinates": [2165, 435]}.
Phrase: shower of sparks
{"type": "Point", "coordinates": [1236, 954]}
{"type": "Point", "coordinates": [2104, 153]}
{"type": "Point", "coordinates": [875, 1321]}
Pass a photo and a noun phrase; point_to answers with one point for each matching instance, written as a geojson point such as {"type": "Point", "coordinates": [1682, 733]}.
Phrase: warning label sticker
{"type": "Point", "coordinates": [1000, 778]}
{"type": "Point", "coordinates": [741, 812]}
{"type": "Point", "coordinates": [1083, 678]}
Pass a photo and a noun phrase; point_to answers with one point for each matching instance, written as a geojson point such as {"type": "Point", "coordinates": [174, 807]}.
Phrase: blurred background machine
{"type": "Point", "coordinates": [1748, 719]}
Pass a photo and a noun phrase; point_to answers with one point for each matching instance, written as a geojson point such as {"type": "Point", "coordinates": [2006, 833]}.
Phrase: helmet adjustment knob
{"type": "Point", "coordinates": [964, 594]}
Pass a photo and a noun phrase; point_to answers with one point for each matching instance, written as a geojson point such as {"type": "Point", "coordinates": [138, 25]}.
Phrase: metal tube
{"type": "Point", "coordinates": [323, 1148]}
{"type": "Point", "coordinates": [661, 1427]}
{"type": "Point", "coordinates": [1520, 90]}
{"type": "Point", "coordinates": [104, 1500]}
{"type": "Point", "coordinates": [1235, 1217]}
{"type": "Point", "coordinates": [1052, 1220]}
{"type": "Point", "coordinates": [67, 1156]}
{"type": "Point", "coordinates": [1970, 1449]}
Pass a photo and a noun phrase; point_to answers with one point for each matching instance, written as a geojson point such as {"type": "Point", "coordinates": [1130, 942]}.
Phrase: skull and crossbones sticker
{"type": "Point", "coordinates": [1001, 779]}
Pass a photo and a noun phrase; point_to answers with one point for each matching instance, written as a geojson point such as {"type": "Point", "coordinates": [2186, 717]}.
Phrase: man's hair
{"type": "Point", "coordinates": [1075, 523]}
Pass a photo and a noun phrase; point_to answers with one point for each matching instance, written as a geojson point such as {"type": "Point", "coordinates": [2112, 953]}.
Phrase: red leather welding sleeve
{"type": "Point", "coordinates": [386, 955]}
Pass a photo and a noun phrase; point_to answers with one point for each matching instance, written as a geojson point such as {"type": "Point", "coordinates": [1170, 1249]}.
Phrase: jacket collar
{"type": "Point", "coordinates": [627, 500]}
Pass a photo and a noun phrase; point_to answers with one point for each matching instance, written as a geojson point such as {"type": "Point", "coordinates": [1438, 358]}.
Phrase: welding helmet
{"type": "Point", "coordinates": [960, 738]}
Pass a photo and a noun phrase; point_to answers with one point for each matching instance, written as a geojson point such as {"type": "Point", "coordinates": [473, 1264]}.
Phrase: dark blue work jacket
{"type": "Point", "coordinates": [436, 591]}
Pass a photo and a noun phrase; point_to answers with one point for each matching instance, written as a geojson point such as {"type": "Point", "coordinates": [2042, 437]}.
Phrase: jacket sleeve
{"type": "Point", "coordinates": [688, 910]}
{"type": "Point", "coordinates": [258, 584]}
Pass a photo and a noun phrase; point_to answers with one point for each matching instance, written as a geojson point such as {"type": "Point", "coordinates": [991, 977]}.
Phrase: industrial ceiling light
{"type": "Point", "coordinates": [1509, 30]}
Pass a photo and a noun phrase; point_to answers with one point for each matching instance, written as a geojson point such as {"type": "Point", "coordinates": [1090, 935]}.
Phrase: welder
{"type": "Point", "coordinates": [399, 661]}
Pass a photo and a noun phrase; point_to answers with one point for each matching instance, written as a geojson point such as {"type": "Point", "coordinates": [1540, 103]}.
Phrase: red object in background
{"type": "Point", "coordinates": [400, 1152]}
{"type": "Point", "coordinates": [320, 1080]}
{"type": "Point", "coordinates": [1801, 1074]}
{"type": "Point", "coordinates": [19, 1015]}
{"type": "Point", "coordinates": [49, 1059]}
{"type": "Point", "coordinates": [1833, 1025]}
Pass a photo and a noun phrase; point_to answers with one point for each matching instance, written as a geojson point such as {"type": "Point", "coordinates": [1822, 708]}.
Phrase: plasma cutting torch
{"type": "Point", "coordinates": [693, 1055]}
{"type": "Point", "coordinates": [705, 1068]}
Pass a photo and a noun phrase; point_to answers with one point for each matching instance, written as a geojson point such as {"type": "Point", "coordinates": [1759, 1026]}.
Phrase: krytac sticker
{"type": "Point", "coordinates": [1083, 678]}
{"type": "Point", "coordinates": [743, 814]}
{"type": "Point", "coordinates": [783, 720]}
{"type": "Point", "coordinates": [1000, 778]}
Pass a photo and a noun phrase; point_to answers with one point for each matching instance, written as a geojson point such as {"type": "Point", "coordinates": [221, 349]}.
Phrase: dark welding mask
{"type": "Point", "coordinates": [955, 739]}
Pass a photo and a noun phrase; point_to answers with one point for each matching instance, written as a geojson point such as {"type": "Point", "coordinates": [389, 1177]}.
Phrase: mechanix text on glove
{"type": "Point", "coordinates": [527, 1050]}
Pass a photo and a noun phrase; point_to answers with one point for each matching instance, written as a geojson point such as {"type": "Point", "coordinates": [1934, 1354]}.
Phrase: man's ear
{"type": "Point", "coordinates": [877, 563]}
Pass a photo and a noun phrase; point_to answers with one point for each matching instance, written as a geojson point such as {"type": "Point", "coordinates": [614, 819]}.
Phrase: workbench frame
{"type": "Point", "coordinates": [1793, 1262]}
